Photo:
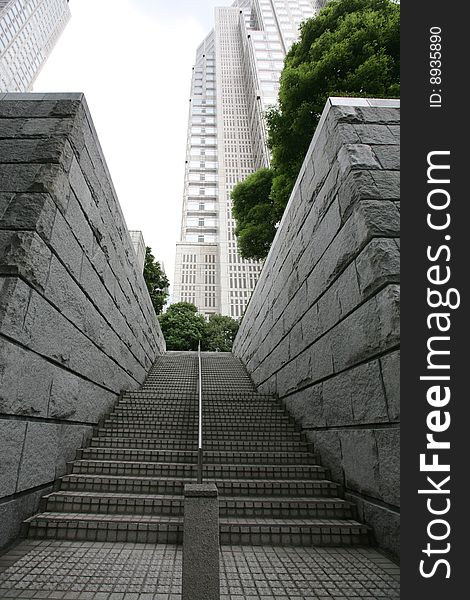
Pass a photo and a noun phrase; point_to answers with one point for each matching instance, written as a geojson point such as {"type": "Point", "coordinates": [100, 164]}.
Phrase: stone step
{"type": "Point", "coordinates": [151, 529]}
{"type": "Point", "coordinates": [161, 394]}
{"type": "Point", "coordinates": [209, 423]}
{"type": "Point", "coordinates": [188, 456]}
{"type": "Point", "coordinates": [227, 471]}
{"type": "Point", "coordinates": [222, 414]}
{"type": "Point", "coordinates": [223, 445]}
{"type": "Point", "coordinates": [168, 505]}
{"type": "Point", "coordinates": [170, 485]}
{"type": "Point", "coordinates": [209, 434]}
{"type": "Point", "coordinates": [234, 411]}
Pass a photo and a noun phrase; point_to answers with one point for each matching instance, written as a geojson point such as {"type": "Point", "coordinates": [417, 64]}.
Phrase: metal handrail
{"type": "Point", "coordinates": [199, 443]}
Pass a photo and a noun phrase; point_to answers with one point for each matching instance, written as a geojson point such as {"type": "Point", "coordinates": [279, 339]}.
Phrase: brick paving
{"type": "Point", "coordinates": [61, 570]}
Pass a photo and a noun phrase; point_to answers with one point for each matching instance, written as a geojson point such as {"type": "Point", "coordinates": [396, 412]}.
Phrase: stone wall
{"type": "Point", "coordinates": [322, 327]}
{"type": "Point", "coordinates": [76, 322]}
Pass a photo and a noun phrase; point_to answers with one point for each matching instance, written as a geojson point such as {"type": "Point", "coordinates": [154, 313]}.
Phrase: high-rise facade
{"type": "Point", "coordinates": [235, 79]}
{"type": "Point", "coordinates": [29, 30]}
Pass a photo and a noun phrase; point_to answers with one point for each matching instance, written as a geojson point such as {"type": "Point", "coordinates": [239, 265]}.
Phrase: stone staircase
{"type": "Point", "coordinates": [128, 484]}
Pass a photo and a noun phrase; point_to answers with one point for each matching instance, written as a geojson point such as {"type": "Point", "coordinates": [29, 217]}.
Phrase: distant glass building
{"type": "Point", "coordinates": [29, 30]}
{"type": "Point", "coordinates": [235, 78]}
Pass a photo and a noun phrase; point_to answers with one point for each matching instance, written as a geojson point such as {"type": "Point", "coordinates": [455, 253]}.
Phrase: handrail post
{"type": "Point", "coordinates": [201, 571]}
{"type": "Point", "coordinates": [199, 443]}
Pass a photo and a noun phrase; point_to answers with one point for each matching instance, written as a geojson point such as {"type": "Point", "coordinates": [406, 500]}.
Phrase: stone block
{"type": "Point", "coordinates": [372, 329]}
{"type": "Point", "coordinates": [390, 366]}
{"type": "Point", "coordinates": [25, 253]}
{"type": "Point", "coordinates": [388, 156]}
{"type": "Point", "coordinates": [355, 397]}
{"type": "Point", "coordinates": [311, 324]}
{"type": "Point", "coordinates": [69, 438]}
{"type": "Point", "coordinates": [35, 212]}
{"type": "Point", "coordinates": [40, 107]}
{"type": "Point", "coordinates": [105, 332]}
{"type": "Point", "coordinates": [36, 324]}
{"type": "Point", "coordinates": [38, 463]}
{"type": "Point", "coordinates": [82, 192]}
{"type": "Point", "coordinates": [294, 375]}
{"type": "Point", "coordinates": [296, 340]}
{"type": "Point", "coordinates": [377, 265]}
{"type": "Point", "coordinates": [381, 116]}
{"type": "Point", "coordinates": [34, 128]}
{"type": "Point", "coordinates": [360, 461]}
{"type": "Point", "coordinates": [321, 363]}
{"type": "Point", "coordinates": [76, 399]}
{"type": "Point", "coordinates": [387, 183]}
{"type": "Point", "coordinates": [269, 386]}
{"type": "Point", "coordinates": [346, 133]}
{"type": "Point", "coordinates": [315, 238]}
{"type": "Point", "coordinates": [385, 523]}
{"type": "Point", "coordinates": [14, 301]}
{"type": "Point", "coordinates": [12, 434]}
{"type": "Point", "coordinates": [376, 134]}
{"type": "Point", "coordinates": [328, 445]}
{"type": "Point", "coordinates": [357, 156]}
{"type": "Point", "coordinates": [377, 218]}
{"type": "Point", "coordinates": [36, 178]}
{"type": "Point", "coordinates": [66, 246]}
{"type": "Point", "coordinates": [395, 131]}
{"type": "Point", "coordinates": [369, 219]}
{"type": "Point", "coordinates": [337, 405]}
{"type": "Point", "coordinates": [346, 290]}
{"type": "Point", "coordinates": [80, 225]}
{"type": "Point", "coordinates": [356, 186]}
{"type": "Point", "coordinates": [388, 449]}
{"type": "Point", "coordinates": [346, 114]}
{"type": "Point", "coordinates": [293, 310]}
{"type": "Point", "coordinates": [15, 511]}
{"type": "Point", "coordinates": [36, 150]}
{"type": "Point", "coordinates": [306, 406]}
{"type": "Point", "coordinates": [324, 196]}
{"type": "Point", "coordinates": [25, 381]}
{"type": "Point", "coordinates": [63, 291]}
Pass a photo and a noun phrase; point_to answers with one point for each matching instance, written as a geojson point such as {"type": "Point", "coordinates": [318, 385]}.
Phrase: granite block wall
{"type": "Point", "coordinates": [76, 322]}
{"type": "Point", "coordinates": [322, 327]}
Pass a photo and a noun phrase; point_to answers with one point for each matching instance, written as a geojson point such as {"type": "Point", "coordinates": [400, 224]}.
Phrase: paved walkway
{"type": "Point", "coordinates": [44, 570]}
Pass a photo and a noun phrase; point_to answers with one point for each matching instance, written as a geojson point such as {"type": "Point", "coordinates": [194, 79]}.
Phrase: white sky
{"type": "Point", "coordinates": [133, 60]}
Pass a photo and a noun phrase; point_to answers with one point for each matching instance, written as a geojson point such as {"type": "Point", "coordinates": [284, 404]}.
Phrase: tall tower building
{"type": "Point", "coordinates": [29, 30]}
{"type": "Point", "coordinates": [235, 79]}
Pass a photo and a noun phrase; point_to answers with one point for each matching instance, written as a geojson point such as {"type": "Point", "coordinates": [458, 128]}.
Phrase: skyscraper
{"type": "Point", "coordinates": [235, 79]}
{"type": "Point", "coordinates": [29, 30]}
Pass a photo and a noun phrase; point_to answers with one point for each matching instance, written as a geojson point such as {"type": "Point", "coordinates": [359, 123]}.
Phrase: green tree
{"type": "Point", "coordinates": [156, 280]}
{"type": "Point", "coordinates": [182, 326]}
{"type": "Point", "coordinates": [254, 213]}
{"type": "Point", "coordinates": [350, 49]}
{"type": "Point", "coordinates": [219, 333]}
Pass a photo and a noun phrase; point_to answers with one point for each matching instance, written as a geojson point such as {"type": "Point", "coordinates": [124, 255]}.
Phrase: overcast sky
{"type": "Point", "coordinates": [133, 60]}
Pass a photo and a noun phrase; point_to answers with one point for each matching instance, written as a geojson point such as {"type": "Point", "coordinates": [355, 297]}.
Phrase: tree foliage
{"type": "Point", "coordinates": [350, 49]}
{"type": "Point", "coordinates": [156, 280]}
{"type": "Point", "coordinates": [182, 326]}
{"type": "Point", "coordinates": [253, 211]}
{"type": "Point", "coordinates": [219, 333]}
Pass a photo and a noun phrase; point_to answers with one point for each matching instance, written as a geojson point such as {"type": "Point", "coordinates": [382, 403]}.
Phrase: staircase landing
{"type": "Point", "coordinates": [123, 571]}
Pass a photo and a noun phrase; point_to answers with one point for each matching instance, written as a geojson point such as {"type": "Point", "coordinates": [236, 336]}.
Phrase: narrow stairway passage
{"type": "Point", "coordinates": [127, 486]}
